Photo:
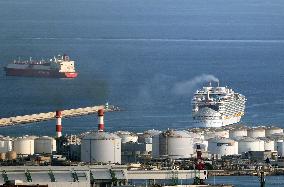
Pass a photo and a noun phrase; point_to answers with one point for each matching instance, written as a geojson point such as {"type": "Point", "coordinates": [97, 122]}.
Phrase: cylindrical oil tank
{"type": "Point", "coordinates": [176, 144]}
{"type": "Point", "coordinates": [155, 146]}
{"type": "Point", "coordinates": [11, 155]}
{"type": "Point", "coordinates": [250, 144]}
{"type": "Point", "coordinates": [5, 144]}
{"type": "Point", "coordinates": [277, 138]}
{"type": "Point", "coordinates": [198, 131]}
{"type": "Point", "coordinates": [242, 132]}
{"type": "Point", "coordinates": [222, 146]}
{"type": "Point", "coordinates": [272, 130]}
{"type": "Point", "coordinates": [101, 147]}
{"type": "Point", "coordinates": [256, 132]}
{"type": "Point", "coordinates": [146, 137]}
{"type": "Point", "coordinates": [277, 135]}
{"type": "Point", "coordinates": [24, 145]}
{"type": "Point", "coordinates": [280, 148]}
{"type": "Point", "coordinates": [2, 156]}
{"type": "Point", "coordinates": [45, 145]}
{"type": "Point", "coordinates": [215, 133]}
{"type": "Point", "coordinates": [127, 136]}
{"type": "Point", "coordinates": [196, 135]}
{"type": "Point", "coordinates": [276, 143]}
{"type": "Point", "coordinates": [269, 144]}
{"type": "Point", "coordinates": [222, 133]}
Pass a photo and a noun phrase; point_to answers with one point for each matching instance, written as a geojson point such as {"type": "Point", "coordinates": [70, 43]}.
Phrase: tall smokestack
{"type": "Point", "coordinates": [58, 125]}
{"type": "Point", "coordinates": [101, 124]}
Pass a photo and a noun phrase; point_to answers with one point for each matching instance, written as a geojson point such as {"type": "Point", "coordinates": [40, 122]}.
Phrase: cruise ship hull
{"type": "Point", "coordinates": [216, 122]}
{"type": "Point", "coordinates": [39, 73]}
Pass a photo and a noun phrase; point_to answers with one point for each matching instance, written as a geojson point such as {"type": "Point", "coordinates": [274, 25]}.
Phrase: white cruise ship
{"type": "Point", "coordinates": [217, 106]}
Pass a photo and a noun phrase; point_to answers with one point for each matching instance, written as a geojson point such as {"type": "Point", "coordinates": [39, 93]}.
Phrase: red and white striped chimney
{"type": "Point", "coordinates": [101, 124]}
{"type": "Point", "coordinates": [58, 116]}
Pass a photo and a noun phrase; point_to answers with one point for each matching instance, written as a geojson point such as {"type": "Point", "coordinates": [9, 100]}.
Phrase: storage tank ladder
{"type": "Point", "coordinates": [175, 178]}
{"type": "Point", "coordinates": [113, 177]}
{"type": "Point", "coordinates": [75, 176]}
{"type": "Point", "coordinates": [51, 176]}
{"type": "Point", "coordinates": [5, 176]}
{"type": "Point", "coordinates": [28, 176]}
{"type": "Point", "coordinates": [92, 179]}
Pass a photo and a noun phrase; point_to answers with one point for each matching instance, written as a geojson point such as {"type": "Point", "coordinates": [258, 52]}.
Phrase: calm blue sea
{"type": "Point", "coordinates": [134, 53]}
{"type": "Point", "coordinates": [247, 181]}
{"type": "Point", "coordinates": [236, 181]}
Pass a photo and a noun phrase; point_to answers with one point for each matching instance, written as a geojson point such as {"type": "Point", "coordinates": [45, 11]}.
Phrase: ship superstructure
{"type": "Point", "coordinates": [217, 106]}
{"type": "Point", "coordinates": [58, 67]}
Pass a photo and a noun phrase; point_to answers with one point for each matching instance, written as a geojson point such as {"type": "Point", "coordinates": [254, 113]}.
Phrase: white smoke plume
{"type": "Point", "coordinates": [187, 87]}
{"type": "Point", "coordinates": [156, 88]}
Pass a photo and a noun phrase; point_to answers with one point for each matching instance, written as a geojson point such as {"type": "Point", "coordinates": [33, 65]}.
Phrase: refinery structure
{"type": "Point", "coordinates": [104, 158]}
{"type": "Point", "coordinates": [98, 158]}
{"type": "Point", "coordinates": [217, 106]}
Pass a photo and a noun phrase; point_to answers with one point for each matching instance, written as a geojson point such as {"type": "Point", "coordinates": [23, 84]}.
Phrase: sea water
{"type": "Point", "coordinates": [134, 53]}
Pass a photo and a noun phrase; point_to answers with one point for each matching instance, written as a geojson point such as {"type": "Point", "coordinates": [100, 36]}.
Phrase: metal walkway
{"type": "Point", "coordinates": [82, 173]}
{"type": "Point", "coordinates": [51, 115]}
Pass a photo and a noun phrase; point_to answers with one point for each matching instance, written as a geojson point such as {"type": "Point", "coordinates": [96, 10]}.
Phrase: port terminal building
{"type": "Point", "coordinates": [86, 176]}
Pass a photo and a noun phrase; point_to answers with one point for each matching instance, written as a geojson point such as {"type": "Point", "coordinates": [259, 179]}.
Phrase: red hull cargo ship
{"type": "Point", "coordinates": [58, 67]}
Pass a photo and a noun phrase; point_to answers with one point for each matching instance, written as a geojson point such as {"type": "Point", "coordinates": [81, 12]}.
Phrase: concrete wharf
{"type": "Point", "coordinates": [16, 120]}
{"type": "Point", "coordinates": [82, 176]}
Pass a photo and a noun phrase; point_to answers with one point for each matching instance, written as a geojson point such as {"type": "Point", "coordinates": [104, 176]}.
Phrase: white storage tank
{"type": "Point", "coordinates": [2, 156]}
{"type": "Point", "coordinates": [156, 146]}
{"type": "Point", "coordinates": [250, 144]}
{"type": "Point", "coordinates": [241, 132]}
{"type": "Point", "coordinates": [222, 133]}
{"type": "Point", "coordinates": [222, 146]}
{"type": "Point", "coordinates": [280, 148]}
{"type": "Point", "coordinates": [196, 135]}
{"type": "Point", "coordinates": [273, 130]}
{"type": "Point", "coordinates": [101, 147]}
{"type": "Point", "coordinates": [45, 145]}
{"type": "Point", "coordinates": [146, 137]}
{"type": "Point", "coordinates": [277, 138]}
{"type": "Point", "coordinates": [11, 155]}
{"type": "Point", "coordinates": [176, 144]}
{"type": "Point", "coordinates": [24, 145]}
{"type": "Point", "coordinates": [198, 131]}
{"type": "Point", "coordinates": [215, 133]}
{"type": "Point", "coordinates": [256, 132]}
{"type": "Point", "coordinates": [276, 143]}
{"type": "Point", "coordinates": [127, 136]}
{"type": "Point", "coordinates": [5, 144]}
{"type": "Point", "coordinates": [269, 144]}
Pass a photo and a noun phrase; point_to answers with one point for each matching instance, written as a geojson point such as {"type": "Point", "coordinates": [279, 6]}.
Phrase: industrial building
{"type": "Point", "coordinates": [86, 176]}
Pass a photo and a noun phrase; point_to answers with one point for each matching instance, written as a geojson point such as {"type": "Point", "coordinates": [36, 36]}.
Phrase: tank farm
{"type": "Point", "coordinates": [152, 157]}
